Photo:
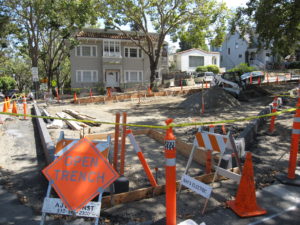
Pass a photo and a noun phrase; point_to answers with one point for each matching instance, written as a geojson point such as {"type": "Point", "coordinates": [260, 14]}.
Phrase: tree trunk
{"type": "Point", "coordinates": [153, 67]}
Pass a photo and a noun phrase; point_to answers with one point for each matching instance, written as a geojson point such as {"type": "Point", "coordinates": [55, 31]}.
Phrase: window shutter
{"type": "Point", "coordinates": [140, 76]}
{"type": "Point", "coordinates": [140, 53]}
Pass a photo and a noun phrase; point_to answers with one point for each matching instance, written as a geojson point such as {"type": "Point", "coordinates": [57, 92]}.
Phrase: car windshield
{"type": "Point", "coordinates": [254, 74]}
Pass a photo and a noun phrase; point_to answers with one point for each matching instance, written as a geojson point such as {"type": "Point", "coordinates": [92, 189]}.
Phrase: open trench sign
{"type": "Point", "coordinates": [80, 174]}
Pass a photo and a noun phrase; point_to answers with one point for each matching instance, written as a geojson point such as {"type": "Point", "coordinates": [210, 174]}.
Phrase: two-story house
{"type": "Point", "coordinates": [111, 59]}
{"type": "Point", "coordinates": [238, 49]}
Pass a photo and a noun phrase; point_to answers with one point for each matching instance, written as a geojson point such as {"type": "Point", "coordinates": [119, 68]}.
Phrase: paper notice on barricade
{"type": "Point", "coordinates": [56, 206]}
{"type": "Point", "coordinates": [196, 186]}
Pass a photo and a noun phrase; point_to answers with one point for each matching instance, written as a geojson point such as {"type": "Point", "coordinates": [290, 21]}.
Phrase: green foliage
{"type": "Point", "coordinates": [294, 65]}
{"type": "Point", "coordinates": [101, 89]}
{"type": "Point", "coordinates": [242, 68]}
{"type": "Point", "coordinates": [75, 90]}
{"type": "Point", "coordinates": [213, 68]}
{"type": "Point", "coordinates": [200, 28]}
{"type": "Point", "coordinates": [209, 68]}
{"type": "Point", "coordinates": [7, 83]}
{"type": "Point", "coordinates": [201, 69]}
{"type": "Point", "coordinates": [276, 22]}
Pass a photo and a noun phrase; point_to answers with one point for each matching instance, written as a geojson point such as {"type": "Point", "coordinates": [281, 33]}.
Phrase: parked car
{"type": "Point", "coordinates": [204, 77]}
{"type": "Point", "coordinates": [256, 75]}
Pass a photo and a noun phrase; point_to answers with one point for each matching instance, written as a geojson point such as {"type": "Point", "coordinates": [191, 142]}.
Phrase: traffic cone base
{"type": "Point", "coordinates": [245, 204]}
{"type": "Point", "coordinates": [240, 212]}
{"type": "Point", "coordinates": [14, 108]}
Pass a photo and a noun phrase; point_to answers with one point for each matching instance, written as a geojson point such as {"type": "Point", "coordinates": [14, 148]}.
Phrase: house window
{"type": "Point", "coordinates": [268, 54]}
{"type": "Point", "coordinates": [86, 76]}
{"type": "Point", "coordinates": [214, 60]}
{"type": "Point", "coordinates": [133, 76]}
{"type": "Point", "coordinates": [240, 56]}
{"type": "Point", "coordinates": [228, 51]}
{"type": "Point", "coordinates": [86, 50]}
{"type": "Point", "coordinates": [130, 52]}
{"type": "Point", "coordinates": [195, 61]}
{"type": "Point", "coordinates": [236, 45]}
{"type": "Point", "coordinates": [111, 49]}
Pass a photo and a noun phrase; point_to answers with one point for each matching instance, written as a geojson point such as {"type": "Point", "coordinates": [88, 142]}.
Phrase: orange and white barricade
{"type": "Point", "coordinates": [210, 142]}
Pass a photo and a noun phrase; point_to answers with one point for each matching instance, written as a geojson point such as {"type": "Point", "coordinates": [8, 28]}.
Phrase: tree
{"type": "Point", "coordinates": [7, 83]}
{"type": "Point", "coordinates": [275, 23]}
{"type": "Point", "coordinates": [20, 69]}
{"type": "Point", "coordinates": [46, 28]}
{"type": "Point", "coordinates": [166, 17]}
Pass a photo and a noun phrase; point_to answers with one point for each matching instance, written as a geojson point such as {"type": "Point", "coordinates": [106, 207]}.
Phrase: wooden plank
{"type": "Point", "coordinates": [150, 192]}
{"type": "Point", "coordinates": [72, 124]}
{"type": "Point", "coordinates": [81, 116]}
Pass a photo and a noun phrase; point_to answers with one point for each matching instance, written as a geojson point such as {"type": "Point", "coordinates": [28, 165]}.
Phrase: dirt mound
{"type": "Point", "coordinates": [254, 91]}
{"type": "Point", "coordinates": [214, 99]}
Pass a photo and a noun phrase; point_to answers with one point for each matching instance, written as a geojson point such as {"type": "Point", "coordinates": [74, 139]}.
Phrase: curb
{"type": "Point", "coordinates": [47, 143]}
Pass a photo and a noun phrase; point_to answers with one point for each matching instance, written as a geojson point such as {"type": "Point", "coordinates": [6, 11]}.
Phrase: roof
{"type": "Point", "coordinates": [197, 49]}
{"type": "Point", "coordinates": [114, 34]}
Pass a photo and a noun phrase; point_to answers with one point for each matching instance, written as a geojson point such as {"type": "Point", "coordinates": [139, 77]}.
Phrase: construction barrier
{"type": "Point", "coordinates": [170, 167]}
{"type": "Point", "coordinates": [210, 142]}
{"type": "Point", "coordinates": [245, 204]}
{"type": "Point", "coordinates": [142, 159]}
{"type": "Point", "coordinates": [294, 142]}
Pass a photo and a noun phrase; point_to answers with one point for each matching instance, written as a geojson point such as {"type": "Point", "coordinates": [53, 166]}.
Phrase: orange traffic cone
{"type": "Point", "coordinates": [245, 204]}
{"type": "Point", "coordinates": [8, 103]}
{"type": "Point", "coordinates": [149, 91]}
{"type": "Point", "coordinates": [14, 108]}
{"type": "Point", "coordinates": [75, 97]}
{"type": "Point", "coordinates": [24, 107]}
{"type": "Point", "coordinates": [5, 106]}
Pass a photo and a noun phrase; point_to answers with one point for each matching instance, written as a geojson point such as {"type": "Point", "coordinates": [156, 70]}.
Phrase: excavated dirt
{"type": "Point", "coordinates": [214, 99]}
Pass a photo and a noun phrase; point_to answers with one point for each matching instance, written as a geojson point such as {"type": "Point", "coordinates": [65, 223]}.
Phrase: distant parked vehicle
{"type": "Point", "coordinates": [256, 75]}
{"type": "Point", "coordinates": [204, 77]}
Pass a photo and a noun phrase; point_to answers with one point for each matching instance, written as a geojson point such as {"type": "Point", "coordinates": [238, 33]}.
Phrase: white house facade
{"type": "Point", "coordinates": [237, 49]}
{"type": "Point", "coordinates": [190, 59]}
{"type": "Point", "coordinates": [111, 59]}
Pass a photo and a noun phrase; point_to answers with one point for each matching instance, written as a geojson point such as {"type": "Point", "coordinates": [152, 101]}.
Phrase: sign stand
{"type": "Point", "coordinates": [211, 142]}
{"type": "Point", "coordinates": [56, 206]}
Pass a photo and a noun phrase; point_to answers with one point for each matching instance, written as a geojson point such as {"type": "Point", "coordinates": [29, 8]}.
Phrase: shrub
{"type": "Point", "coordinates": [210, 68]}
{"type": "Point", "coordinates": [7, 83]}
{"type": "Point", "coordinates": [242, 68]}
{"type": "Point", "coordinates": [201, 69]}
{"type": "Point", "coordinates": [213, 68]}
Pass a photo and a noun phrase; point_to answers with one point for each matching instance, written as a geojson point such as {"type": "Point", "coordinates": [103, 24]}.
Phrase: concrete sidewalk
{"type": "Point", "coordinates": [282, 203]}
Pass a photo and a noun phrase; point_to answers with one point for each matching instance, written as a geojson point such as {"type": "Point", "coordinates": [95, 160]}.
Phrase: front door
{"type": "Point", "coordinates": [112, 78]}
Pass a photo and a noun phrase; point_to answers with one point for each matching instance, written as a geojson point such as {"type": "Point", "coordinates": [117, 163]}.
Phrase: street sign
{"type": "Point", "coordinates": [79, 174]}
{"type": "Point", "coordinates": [196, 186]}
{"type": "Point", "coordinates": [35, 73]}
{"type": "Point", "coordinates": [55, 206]}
